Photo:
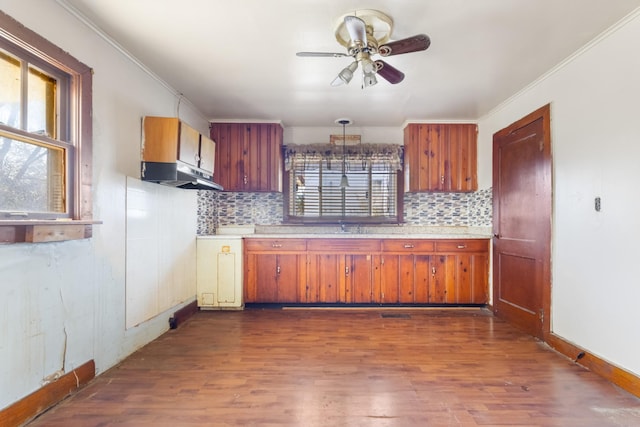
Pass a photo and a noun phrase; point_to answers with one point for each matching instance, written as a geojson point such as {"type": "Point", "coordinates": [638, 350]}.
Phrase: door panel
{"type": "Point", "coordinates": [522, 222]}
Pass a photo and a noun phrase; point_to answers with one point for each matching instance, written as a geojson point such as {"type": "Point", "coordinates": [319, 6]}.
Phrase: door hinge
{"type": "Point", "coordinates": [541, 315]}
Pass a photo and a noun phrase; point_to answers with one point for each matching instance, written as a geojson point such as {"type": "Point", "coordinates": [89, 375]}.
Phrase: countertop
{"type": "Point", "coordinates": [357, 232]}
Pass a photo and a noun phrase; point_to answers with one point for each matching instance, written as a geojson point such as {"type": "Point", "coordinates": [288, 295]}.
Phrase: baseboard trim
{"type": "Point", "coordinates": [618, 376]}
{"type": "Point", "coordinates": [183, 314]}
{"type": "Point", "coordinates": [44, 398]}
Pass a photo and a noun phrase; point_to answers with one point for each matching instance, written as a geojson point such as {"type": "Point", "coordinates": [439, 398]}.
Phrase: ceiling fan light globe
{"type": "Point", "coordinates": [368, 66]}
{"type": "Point", "coordinates": [369, 79]}
{"type": "Point", "coordinates": [345, 75]}
{"type": "Point", "coordinates": [337, 81]}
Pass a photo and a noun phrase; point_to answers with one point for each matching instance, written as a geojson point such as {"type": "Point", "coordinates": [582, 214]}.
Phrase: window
{"type": "Point", "coordinates": [45, 129]}
{"type": "Point", "coordinates": [313, 190]}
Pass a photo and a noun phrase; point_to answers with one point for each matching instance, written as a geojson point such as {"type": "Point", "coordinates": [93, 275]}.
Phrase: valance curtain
{"type": "Point", "coordinates": [357, 156]}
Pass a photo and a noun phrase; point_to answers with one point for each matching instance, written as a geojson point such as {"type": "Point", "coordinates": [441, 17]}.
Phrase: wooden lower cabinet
{"type": "Point", "coordinates": [272, 278]}
{"type": "Point", "coordinates": [274, 270]}
{"type": "Point", "coordinates": [366, 271]}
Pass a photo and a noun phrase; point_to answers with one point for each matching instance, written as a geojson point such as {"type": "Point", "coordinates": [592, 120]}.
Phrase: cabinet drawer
{"type": "Point", "coordinates": [407, 245]}
{"type": "Point", "coordinates": [343, 245]}
{"type": "Point", "coordinates": [478, 245]}
{"type": "Point", "coordinates": [275, 245]}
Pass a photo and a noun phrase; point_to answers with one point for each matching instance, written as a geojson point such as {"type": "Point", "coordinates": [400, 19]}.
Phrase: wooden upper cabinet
{"type": "Point", "coordinates": [248, 156]}
{"type": "Point", "coordinates": [167, 139]}
{"type": "Point", "coordinates": [441, 157]}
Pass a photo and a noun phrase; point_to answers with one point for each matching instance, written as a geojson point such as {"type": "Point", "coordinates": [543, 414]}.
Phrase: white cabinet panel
{"type": "Point", "coordinates": [219, 272]}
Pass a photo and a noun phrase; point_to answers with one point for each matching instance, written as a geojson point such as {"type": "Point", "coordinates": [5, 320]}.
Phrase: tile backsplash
{"type": "Point", "coordinates": [423, 209]}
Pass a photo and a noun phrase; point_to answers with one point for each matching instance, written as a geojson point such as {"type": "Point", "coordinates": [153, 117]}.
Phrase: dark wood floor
{"type": "Point", "coordinates": [309, 368]}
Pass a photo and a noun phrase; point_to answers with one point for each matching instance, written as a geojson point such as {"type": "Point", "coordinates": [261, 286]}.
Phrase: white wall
{"type": "Point", "coordinates": [73, 293]}
{"type": "Point", "coordinates": [595, 108]}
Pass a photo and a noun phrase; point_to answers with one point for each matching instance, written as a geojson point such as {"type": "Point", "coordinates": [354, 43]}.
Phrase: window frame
{"type": "Point", "coordinates": [332, 220]}
{"type": "Point", "coordinates": [16, 38]}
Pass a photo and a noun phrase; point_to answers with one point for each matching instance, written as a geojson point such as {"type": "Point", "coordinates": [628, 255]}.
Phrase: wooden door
{"type": "Point", "coordinates": [522, 222]}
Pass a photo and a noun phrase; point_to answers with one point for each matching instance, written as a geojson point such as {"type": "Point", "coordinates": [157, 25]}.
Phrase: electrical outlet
{"type": "Point", "coordinates": [597, 204]}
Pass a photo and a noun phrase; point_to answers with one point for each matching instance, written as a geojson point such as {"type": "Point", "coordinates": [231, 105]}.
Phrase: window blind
{"type": "Point", "coordinates": [315, 179]}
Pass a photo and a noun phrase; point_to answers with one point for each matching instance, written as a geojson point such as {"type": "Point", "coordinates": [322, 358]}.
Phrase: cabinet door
{"type": "Point", "coordinates": [160, 139]}
{"type": "Point", "coordinates": [389, 279]}
{"type": "Point", "coordinates": [248, 156]}
{"type": "Point", "coordinates": [421, 278]}
{"type": "Point", "coordinates": [189, 145]}
{"type": "Point", "coordinates": [261, 284]}
{"type": "Point", "coordinates": [359, 283]}
{"type": "Point", "coordinates": [441, 157]}
{"type": "Point", "coordinates": [437, 284]}
{"type": "Point", "coordinates": [263, 157]}
{"type": "Point", "coordinates": [289, 272]}
{"type": "Point", "coordinates": [229, 158]}
{"type": "Point", "coordinates": [324, 278]}
{"type": "Point", "coordinates": [207, 154]}
{"type": "Point", "coordinates": [478, 272]}
{"type": "Point", "coordinates": [460, 159]}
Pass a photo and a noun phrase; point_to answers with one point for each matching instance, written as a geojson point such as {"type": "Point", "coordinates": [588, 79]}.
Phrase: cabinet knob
{"type": "Point", "coordinates": [278, 270]}
{"type": "Point", "coordinates": [346, 271]}
{"type": "Point", "coordinates": [409, 245]}
{"type": "Point", "coordinates": [462, 246]}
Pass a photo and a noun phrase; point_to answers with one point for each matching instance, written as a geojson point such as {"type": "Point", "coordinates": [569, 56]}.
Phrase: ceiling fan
{"type": "Point", "coordinates": [366, 33]}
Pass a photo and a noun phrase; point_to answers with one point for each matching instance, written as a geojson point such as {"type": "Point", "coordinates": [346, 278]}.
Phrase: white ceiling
{"type": "Point", "coordinates": [237, 59]}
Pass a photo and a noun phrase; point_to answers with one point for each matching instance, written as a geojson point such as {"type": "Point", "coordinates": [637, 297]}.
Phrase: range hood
{"type": "Point", "coordinates": [178, 174]}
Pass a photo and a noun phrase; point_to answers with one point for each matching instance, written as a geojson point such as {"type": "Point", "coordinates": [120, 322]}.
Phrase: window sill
{"type": "Point", "coordinates": [42, 231]}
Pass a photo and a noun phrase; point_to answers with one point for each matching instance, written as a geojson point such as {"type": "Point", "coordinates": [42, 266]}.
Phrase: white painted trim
{"type": "Point", "coordinates": [438, 122]}
{"type": "Point", "coordinates": [246, 121]}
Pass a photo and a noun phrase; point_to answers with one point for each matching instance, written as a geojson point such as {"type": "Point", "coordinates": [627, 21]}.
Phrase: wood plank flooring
{"type": "Point", "coordinates": [330, 367]}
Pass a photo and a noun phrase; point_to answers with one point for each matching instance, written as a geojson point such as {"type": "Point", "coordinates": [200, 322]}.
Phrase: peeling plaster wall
{"type": "Point", "coordinates": [64, 303]}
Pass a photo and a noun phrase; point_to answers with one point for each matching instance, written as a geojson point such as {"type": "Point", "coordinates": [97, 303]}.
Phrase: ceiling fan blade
{"type": "Point", "coordinates": [389, 73]}
{"type": "Point", "coordinates": [357, 30]}
{"type": "Point", "coordinates": [408, 45]}
{"type": "Point", "coordinates": [321, 54]}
